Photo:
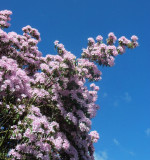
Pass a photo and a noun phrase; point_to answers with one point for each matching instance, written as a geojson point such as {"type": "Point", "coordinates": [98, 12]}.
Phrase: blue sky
{"type": "Point", "coordinates": [124, 118]}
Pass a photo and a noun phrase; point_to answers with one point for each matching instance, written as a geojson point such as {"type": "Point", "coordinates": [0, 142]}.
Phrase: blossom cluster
{"type": "Point", "coordinates": [51, 110]}
{"type": "Point", "coordinates": [4, 18]}
{"type": "Point", "coordinates": [42, 139]}
{"type": "Point", "coordinates": [104, 54]}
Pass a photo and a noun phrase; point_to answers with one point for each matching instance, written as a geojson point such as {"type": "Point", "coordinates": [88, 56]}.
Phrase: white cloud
{"type": "Point", "coordinates": [132, 153]}
{"type": "Point", "coordinates": [148, 131]}
{"type": "Point", "coordinates": [116, 141]}
{"type": "Point", "coordinates": [127, 97]}
{"type": "Point", "coordinates": [116, 103]}
{"type": "Point", "coordinates": [105, 95]}
{"type": "Point", "coordinates": [101, 156]}
{"type": "Point", "coordinates": [124, 97]}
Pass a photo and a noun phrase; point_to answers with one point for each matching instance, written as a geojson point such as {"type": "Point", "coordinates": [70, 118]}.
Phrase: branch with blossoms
{"type": "Point", "coordinates": [104, 54]}
{"type": "Point", "coordinates": [47, 115]}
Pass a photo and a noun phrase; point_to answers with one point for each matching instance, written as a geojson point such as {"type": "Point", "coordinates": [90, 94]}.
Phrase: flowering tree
{"type": "Point", "coordinates": [47, 115]}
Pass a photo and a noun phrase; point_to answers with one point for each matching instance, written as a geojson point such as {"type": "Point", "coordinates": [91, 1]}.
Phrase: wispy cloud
{"type": "Point", "coordinates": [105, 95]}
{"type": "Point", "coordinates": [127, 97]}
{"type": "Point", "coordinates": [101, 156]}
{"type": "Point", "coordinates": [116, 103]}
{"type": "Point", "coordinates": [147, 132]}
{"type": "Point", "coordinates": [116, 142]}
{"type": "Point", "coordinates": [132, 153]}
{"type": "Point", "coordinates": [122, 148]}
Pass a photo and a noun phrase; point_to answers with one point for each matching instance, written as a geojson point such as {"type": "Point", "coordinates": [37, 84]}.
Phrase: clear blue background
{"type": "Point", "coordinates": [124, 94]}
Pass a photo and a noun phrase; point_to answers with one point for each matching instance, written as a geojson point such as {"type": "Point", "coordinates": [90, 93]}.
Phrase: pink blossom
{"type": "Point", "coordinates": [91, 40]}
{"type": "Point", "coordinates": [94, 135]}
{"type": "Point", "coordinates": [120, 49]}
{"type": "Point", "coordinates": [134, 38]}
{"type": "Point", "coordinates": [99, 38]}
{"type": "Point", "coordinates": [56, 42]}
